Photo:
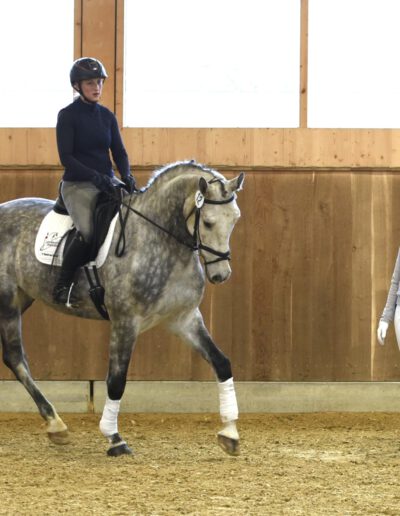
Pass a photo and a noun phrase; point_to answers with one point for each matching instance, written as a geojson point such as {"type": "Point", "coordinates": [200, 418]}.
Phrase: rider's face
{"type": "Point", "coordinates": [92, 88]}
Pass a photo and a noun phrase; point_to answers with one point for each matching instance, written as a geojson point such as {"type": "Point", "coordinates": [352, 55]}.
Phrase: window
{"type": "Point", "coordinates": [212, 63]}
{"type": "Point", "coordinates": [353, 67]}
{"type": "Point", "coordinates": [36, 38]}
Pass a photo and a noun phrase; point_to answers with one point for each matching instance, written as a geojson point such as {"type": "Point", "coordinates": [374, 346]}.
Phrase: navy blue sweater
{"type": "Point", "coordinates": [85, 135]}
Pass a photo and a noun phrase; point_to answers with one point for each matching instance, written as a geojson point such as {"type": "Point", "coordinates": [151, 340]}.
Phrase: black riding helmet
{"type": "Point", "coordinates": [86, 68]}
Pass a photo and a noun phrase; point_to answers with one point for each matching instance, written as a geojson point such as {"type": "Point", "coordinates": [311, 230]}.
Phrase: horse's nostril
{"type": "Point", "coordinates": [217, 278]}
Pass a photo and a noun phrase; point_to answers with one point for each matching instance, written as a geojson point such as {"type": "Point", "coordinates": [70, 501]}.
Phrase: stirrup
{"type": "Point", "coordinates": [64, 295]}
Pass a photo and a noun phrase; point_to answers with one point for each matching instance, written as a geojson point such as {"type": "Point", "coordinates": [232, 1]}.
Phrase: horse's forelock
{"type": "Point", "coordinates": [220, 183]}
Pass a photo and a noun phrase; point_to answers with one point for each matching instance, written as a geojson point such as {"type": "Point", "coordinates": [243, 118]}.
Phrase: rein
{"type": "Point", "coordinates": [196, 246]}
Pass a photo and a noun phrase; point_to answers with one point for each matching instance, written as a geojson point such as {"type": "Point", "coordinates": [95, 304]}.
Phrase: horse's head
{"type": "Point", "coordinates": [211, 216]}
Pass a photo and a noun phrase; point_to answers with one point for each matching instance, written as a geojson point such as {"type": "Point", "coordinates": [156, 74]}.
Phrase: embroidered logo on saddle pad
{"type": "Point", "coordinates": [51, 238]}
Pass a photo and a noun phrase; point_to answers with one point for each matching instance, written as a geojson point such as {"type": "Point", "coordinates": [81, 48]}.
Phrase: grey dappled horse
{"type": "Point", "coordinates": [159, 279]}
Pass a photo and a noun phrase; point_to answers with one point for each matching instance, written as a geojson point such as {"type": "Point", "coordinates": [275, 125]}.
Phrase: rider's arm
{"type": "Point", "coordinates": [118, 150]}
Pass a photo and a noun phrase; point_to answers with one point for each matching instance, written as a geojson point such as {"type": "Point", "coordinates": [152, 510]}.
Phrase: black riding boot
{"type": "Point", "coordinates": [75, 256]}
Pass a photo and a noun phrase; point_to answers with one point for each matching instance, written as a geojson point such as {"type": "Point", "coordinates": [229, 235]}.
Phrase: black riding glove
{"type": "Point", "coordinates": [103, 183]}
{"type": "Point", "coordinates": [130, 184]}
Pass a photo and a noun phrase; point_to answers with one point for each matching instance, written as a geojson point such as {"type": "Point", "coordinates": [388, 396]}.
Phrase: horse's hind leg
{"type": "Point", "coordinates": [14, 357]}
{"type": "Point", "coordinates": [192, 329]}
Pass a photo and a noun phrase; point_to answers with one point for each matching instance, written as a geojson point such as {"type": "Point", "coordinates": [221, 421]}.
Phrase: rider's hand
{"type": "Point", "coordinates": [103, 183]}
{"type": "Point", "coordinates": [381, 332]}
{"type": "Point", "coordinates": [130, 184]}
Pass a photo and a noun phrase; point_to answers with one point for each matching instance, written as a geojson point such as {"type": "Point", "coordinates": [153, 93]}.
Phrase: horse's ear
{"type": "Point", "coordinates": [240, 181]}
{"type": "Point", "coordinates": [235, 184]}
{"type": "Point", "coordinates": [203, 185]}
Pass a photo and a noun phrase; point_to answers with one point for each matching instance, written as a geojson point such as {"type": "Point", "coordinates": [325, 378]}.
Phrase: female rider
{"type": "Point", "coordinates": [86, 132]}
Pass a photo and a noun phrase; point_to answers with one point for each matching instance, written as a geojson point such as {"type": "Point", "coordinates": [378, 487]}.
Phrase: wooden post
{"type": "Point", "coordinates": [119, 61]}
{"type": "Point", "coordinates": [78, 29]}
{"type": "Point", "coordinates": [303, 63]}
{"type": "Point", "coordinates": [98, 40]}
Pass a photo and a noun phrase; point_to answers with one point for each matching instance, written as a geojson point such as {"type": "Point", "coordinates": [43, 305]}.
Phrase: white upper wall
{"type": "Point", "coordinates": [214, 63]}
{"type": "Point", "coordinates": [36, 41]}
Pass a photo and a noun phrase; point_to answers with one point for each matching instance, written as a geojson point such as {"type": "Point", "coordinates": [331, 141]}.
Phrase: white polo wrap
{"type": "Point", "coordinates": [228, 407]}
{"type": "Point", "coordinates": [109, 419]}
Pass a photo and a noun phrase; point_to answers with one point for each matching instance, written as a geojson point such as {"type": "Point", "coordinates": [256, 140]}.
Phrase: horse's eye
{"type": "Point", "coordinates": [207, 224]}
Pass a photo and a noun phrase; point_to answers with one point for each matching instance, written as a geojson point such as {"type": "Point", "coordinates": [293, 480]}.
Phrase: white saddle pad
{"type": "Point", "coordinates": [54, 226]}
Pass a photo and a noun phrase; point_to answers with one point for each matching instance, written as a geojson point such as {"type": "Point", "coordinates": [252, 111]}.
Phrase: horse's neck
{"type": "Point", "coordinates": [163, 202]}
{"type": "Point", "coordinates": [167, 195]}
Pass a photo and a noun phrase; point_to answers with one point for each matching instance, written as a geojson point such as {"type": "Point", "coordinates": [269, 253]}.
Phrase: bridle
{"type": "Point", "coordinates": [197, 244]}
{"type": "Point", "coordinates": [200, 201]}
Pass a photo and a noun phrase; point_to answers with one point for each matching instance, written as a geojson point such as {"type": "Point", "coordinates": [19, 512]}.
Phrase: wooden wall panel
{"type": "Point", "coordinates": [312, 260]}
{"type": "Point", "coordinates": [302, 149]}
{"type": "Point", "coordinates": [359, 350]}
{"type": "Point", "coordinates": [260, 148]}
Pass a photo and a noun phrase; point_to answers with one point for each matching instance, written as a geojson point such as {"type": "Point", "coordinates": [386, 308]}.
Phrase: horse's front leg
{"type": "Point", "coordinates": [192, 329]}
{"type": "Point", "coordinates": [122, 341]}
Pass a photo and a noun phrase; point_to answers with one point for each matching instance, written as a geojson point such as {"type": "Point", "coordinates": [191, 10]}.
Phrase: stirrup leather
{"type": "Point", "coordinates": [68, 304]}
{"type": "Point", "coordinates": [64, 295]}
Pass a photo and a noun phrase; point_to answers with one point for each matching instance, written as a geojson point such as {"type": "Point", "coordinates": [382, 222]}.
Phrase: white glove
{"type": "Point", "coordinates": [381, 332]}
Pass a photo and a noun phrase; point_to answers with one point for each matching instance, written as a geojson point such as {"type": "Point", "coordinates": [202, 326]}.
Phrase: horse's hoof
{"type": "Point", "coordinates": [59, 437]}
{"type": "Point", "coordinates": [120, 449]}
{"type": "Point", "coordinates": [230, 446]}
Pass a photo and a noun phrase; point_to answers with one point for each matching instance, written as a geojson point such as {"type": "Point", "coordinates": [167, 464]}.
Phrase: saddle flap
{"type": "Point", "coordinates": [50, 239]}
{"type": "Point", "coordinates": [52, 235]}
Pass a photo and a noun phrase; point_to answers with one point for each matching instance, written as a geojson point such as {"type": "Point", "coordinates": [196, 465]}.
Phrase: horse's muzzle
{"type": "Point", "coordinates": [219, 276]}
